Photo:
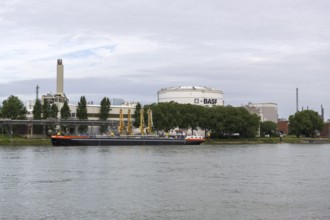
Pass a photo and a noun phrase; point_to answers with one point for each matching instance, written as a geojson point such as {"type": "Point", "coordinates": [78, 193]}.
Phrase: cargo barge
{"type": "Point", "coordinates": [99, 140]}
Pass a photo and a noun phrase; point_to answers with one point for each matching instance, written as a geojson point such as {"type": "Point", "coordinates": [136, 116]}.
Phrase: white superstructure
{"type": "Point", "coordinates": [196, 95]}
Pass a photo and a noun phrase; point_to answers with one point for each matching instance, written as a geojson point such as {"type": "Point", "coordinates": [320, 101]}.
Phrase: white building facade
{"type": "Point", "coordinates": [266, 111]}
{"type": "Point", "coordinates": [195, 95]}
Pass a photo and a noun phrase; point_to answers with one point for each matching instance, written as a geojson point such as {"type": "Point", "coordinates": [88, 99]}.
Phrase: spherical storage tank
{"type": "Point", "coordinates": [196, 95]}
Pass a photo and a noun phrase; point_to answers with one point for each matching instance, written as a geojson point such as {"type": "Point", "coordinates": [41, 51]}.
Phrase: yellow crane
{"type": "Point", "coordinates": [121, 126]}
{"type": "Point", "coordinates": [150, 121]}
{"type": "Point", "coordinates": [129, 122]}
{"type": "Point", "coordinates": [141, 121]}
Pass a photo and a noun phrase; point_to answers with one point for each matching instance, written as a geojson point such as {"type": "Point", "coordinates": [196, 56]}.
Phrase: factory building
{"type": "Point", "coordinates": [117, 105]}
{"type": "Point", "coordinates": [266, 111]}
{"type": "Point", "coordinates": [59, 96]}
{"type": "Point", "coordinates": [195, 95]}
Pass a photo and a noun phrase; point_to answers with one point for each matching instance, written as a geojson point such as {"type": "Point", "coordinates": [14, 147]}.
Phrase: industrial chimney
{"type": "Point", "coordinates": [297, 100]}
{"type": "Point", "coordinates": [60, 80]}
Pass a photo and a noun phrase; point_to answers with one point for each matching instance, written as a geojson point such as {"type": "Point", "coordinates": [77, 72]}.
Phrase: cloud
{"type": "Point", "coordinates": [257, 50]}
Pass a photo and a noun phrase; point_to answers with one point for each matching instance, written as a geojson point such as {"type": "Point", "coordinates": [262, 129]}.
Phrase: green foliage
{"type": "Point", "coordinates": [13, 108]}
{"type": "Point", "coordinates": [306, 123]}
{"type": "Point", "coordinates": [104, 112]}
{"type": "Point", "coordinates": [65, 111]}
{"type": "Point", "coordinates": [223, 121]}
{"type": "Point", "coordinates": [46, 110]}
{"type": "Point", "coordinates": [268, 128]}
{"type": "Point", "coordinates": [37, 114]}
{"type": "Point", "coordinates": [136, 115]}
{"type": "Point", "coordinates": [65, 114]}
{"type": "Point", "coordinates": [249, 123]}
{"type": "Point", "coordinates": [82, 114]}
{"type": "Point", "coordinates": [54, 111]}
{"type": "Point", "coordinates": [37, 110]}
{"type": "Point", "coordinates": [166, 116]}
{"type": "Point", "coordinates": [82, 108]}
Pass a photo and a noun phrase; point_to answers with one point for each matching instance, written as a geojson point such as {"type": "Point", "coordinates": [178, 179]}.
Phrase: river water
{"type": "Point", "coordinates": [279, 181]}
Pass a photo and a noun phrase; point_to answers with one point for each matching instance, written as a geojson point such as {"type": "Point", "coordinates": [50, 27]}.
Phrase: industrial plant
{"type": "Point", "coordinates": [195, 95]}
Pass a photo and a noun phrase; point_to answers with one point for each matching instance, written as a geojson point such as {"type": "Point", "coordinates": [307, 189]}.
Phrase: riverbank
{"type": "Point", "coordinates": [21, 141]}
{"type": "Point", "coordinates": [271, 140]}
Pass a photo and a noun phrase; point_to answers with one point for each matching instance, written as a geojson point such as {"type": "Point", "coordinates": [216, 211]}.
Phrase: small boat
{"type": "Point", "coordinates": [100, 140]}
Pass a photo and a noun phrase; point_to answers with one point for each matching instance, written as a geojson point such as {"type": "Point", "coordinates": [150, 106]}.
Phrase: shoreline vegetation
{"type": "Point", "coordinates": [22, 141]}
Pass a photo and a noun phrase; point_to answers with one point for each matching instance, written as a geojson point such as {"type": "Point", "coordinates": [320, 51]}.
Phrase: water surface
{"type": "Point", "coordinates": [279, 181]}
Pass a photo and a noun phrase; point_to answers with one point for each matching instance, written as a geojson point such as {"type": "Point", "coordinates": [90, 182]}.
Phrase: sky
{"type": "Point", "coordinates": [253, 50]}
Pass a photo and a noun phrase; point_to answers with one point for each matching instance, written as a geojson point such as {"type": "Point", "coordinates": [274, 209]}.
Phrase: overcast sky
{"type": "Point", "coordinates": [252, 50]}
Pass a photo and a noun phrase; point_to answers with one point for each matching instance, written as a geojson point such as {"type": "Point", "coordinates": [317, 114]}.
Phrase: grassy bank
{"type": "Point", "coordinates": [271, 140]}
{"type": "Point", "coordinates": [21, 141]}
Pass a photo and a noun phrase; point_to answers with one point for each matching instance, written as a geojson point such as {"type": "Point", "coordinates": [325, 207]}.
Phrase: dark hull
{"type": "Point", "coordinates": [113, 141]}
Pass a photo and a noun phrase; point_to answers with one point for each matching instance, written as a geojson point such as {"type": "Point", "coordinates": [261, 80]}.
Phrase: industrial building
{"type": "Point", "coordinates": [92, 109]}
{"type": "Point", "coordinates": [195, 95]}
{"type": "Point", "coordinates": [266, 111]}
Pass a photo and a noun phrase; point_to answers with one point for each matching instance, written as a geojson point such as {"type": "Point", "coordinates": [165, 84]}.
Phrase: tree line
{"type": "Point", "coordinates": [221, 121]}
{"type": "Point", "coordinates": [13, 108]}
{"type": "Point", "coordinates": [224, 121]}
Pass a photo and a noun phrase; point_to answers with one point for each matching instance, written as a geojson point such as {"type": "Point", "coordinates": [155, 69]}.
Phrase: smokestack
{"type": "Point", "coordinates": [322, 112]}
{"type": "Point", "coordinates": [37, 92]}
{"type": "Point", "coordinates": [60, 74]}
{"type": "Point", "coordinates": [297, 106]}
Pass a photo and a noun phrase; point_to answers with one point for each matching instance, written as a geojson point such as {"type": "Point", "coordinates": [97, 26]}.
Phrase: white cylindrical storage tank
{"type": "Point", "coordinates": [196, 95]}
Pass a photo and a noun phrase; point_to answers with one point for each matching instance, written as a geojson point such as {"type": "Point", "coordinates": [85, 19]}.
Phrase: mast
{"type": "Point", "coordinates": [129, 122]}
{"type": "Point", "coordinates": [121, 122]}
{"type": "Point", "coordinates": [150, 121]}
{"type": "Point", "coordinates": [142, 121]}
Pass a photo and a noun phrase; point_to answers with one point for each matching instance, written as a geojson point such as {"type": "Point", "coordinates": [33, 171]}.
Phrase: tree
{"type": "Point", "coordinates": [136, 116]}
{"type": "Point", "coordinates": [37, 114]}
{"type": "Point", "coordinates": [13, 108]}
{"type": "Point", "coordinates": [249, 123]}
{"type": "Point", "coordinates": [82, 114]}
{"type": "Point", "coordinates": [268, 128]}
{"type": "Point", "coordinates": [104, 113]}
{"type": "Point", "coordinates": [166, 116]}
{"type": "Point", "coordinates": [65, 111]}
{"type": "Point", "coordinates": [54, 111]}
{"type": "Point", "coordinates": [306, 123]}
{"type": "Point", "coordinates": [37, 110]}
{"type": "Point", "coordinates": [46, 110]}
{"type": "Point", "coordinates": [229, 120]}
{"type": "Point", "coordinates": [65, 114]}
